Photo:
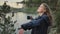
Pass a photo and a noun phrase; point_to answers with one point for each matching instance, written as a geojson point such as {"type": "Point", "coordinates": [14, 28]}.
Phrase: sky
{"type": "Point", "coordinates": [12, 3]}
{"type": "Point", "coordinates": [11, 0]}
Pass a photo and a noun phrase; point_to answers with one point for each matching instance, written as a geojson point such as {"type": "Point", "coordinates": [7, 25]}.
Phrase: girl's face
{"type": "Point", "coordinates": [41, 9]}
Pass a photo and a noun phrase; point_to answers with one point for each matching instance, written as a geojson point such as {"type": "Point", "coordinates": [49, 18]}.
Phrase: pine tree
{"type": "Point", "coordinates": [8, 26]}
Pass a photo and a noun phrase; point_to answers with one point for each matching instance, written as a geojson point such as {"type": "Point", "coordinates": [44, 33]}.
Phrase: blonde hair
{"type": "Point", "coordinates": [48, 12]}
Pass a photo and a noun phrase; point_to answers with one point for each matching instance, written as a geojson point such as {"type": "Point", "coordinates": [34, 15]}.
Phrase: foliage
{"type": "Point", "coordinates": [5, 8]}
{"type": "Point", "coordinates": [30, 10]}
{"type": "Point", "coordinates": [8, 26]}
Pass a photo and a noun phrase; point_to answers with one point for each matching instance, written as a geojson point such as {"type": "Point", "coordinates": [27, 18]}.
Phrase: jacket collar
{"type": "Point", "coordinates": [42, 15]}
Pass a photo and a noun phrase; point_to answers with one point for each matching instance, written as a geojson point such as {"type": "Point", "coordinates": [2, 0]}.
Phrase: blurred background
{"type": "Point", "coordinates": [13, 13]}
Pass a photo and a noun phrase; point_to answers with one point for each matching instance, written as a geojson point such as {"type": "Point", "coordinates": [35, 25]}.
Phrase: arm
{"type": "Point", "coordinates": [34, 23]}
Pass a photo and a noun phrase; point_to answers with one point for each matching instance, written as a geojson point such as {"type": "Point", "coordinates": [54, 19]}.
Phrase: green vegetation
{"type": "Point", "coordinates": [6, 25]}
{"type": "Point", "coordinates": [5, 8]}
{"type": "Point", "coordinates": [31, 10]}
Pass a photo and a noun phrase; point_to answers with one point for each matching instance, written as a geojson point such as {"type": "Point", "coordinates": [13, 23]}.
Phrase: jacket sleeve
{"type": "Point", "coordinates": [34, 23]}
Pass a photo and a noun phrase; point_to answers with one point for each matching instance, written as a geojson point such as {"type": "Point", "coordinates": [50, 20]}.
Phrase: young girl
{"type": "Point", "coordinates": [41, 23]}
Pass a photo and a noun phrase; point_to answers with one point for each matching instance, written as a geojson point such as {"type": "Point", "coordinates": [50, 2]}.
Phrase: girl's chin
{"type": "Point", "coordinates": [39, 11]}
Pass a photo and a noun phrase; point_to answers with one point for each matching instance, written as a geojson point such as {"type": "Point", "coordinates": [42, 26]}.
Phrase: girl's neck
{"type": "Point", "coordinates": [40, 14]}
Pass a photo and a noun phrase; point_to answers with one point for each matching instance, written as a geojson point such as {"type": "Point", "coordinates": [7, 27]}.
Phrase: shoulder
{"type": "Point", "coordinates": [44, 16]}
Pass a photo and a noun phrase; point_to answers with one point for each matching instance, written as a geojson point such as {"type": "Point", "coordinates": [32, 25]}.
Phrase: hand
{"type": "Point", "coordinates": [29, 17]}
{"type": "Point", "coordinates": [21, 31]}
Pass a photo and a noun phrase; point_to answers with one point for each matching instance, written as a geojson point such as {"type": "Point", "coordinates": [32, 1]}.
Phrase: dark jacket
{"type": "Point", "coordinates": [38, 25]}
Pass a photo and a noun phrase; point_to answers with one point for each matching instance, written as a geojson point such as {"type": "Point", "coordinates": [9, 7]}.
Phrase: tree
{"type": "Point", "coordinates": [57, 17]}
{"type": "Point", "coordinates": [5, 8]}
{"type": "Point", "coordinates": [8, 25]}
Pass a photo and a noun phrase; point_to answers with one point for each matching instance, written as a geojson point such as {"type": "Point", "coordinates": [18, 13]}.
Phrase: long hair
{"type": "Point", "coordinates": [48, 12]}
